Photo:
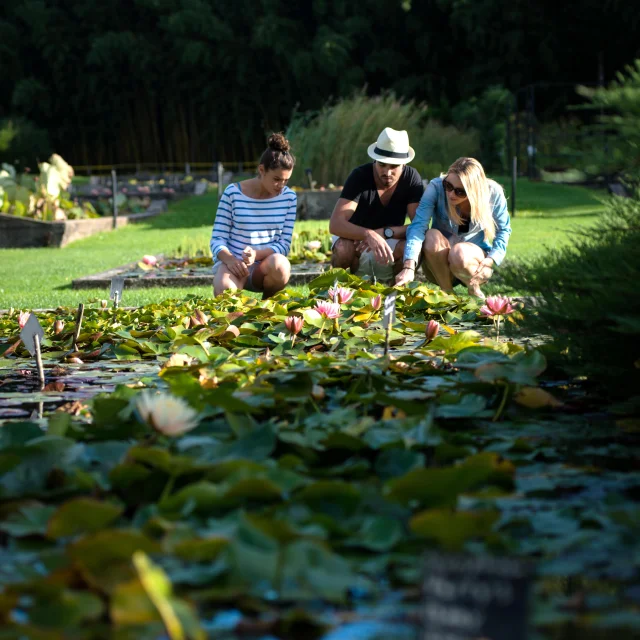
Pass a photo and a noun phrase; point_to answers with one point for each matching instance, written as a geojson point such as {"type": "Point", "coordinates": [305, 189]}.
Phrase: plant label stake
{"type": "Point", "coordinates": [117, 285]}
{"type": "Point", "coordinates": [220, 179]}
{"type": "Point", "coordinates": [76, 333]}
{"type": "Point", "coordinates": [309, 175]}
{"type": "Point", "coordinates": [388, 319]}
{"type": "Point", "coordinates": [468, 597]}
{"type": "Point", "coordinates": [31, 336]}
{"type": "Point", "coordinates": [114, 193]}
{"type": "Point", "coordinates": [36, 414]}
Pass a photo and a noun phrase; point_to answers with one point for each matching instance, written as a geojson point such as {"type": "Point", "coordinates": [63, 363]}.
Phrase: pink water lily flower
{"type": "Point", "coordinates": [496, 306]}
{"type": "Point", "coordinates": [150, 260]}
{"type": "Point", "coordinates": [22, 318]}
{"type": "Point", "coordinates": [376, 302]}
{"type": "Point", "coordinates": [294, 324]}
{"type": "Point", "coordinates": [340, 294]}
{"type": "Point", "coordinates": [328, 310]}
{"type": "Point", "coordinates": [431, 330]}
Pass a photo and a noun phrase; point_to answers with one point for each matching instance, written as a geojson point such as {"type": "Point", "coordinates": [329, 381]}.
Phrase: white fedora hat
{"type": "Point", "coordinates": [392, 147]}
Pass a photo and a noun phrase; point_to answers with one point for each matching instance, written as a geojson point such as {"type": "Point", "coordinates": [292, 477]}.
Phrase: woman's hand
{"type": "Point", "coordinates": [249, 256]}
{"type": "Point", "coordinates": [237, 267]}
{"type": "Point", "coordinates": [483, 272]}
{"type": "Point", "coordinates": [406, 275]}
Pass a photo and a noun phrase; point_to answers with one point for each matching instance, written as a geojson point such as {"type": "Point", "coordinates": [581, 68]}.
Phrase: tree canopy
{"type": "Point", "coordinates": [160, 80]}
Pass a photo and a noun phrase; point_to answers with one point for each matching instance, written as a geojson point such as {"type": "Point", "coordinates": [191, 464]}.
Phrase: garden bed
{"type": "Point", "coordinates": [21, 232]}
{"type": "Point", "coordinates": [178, 272]}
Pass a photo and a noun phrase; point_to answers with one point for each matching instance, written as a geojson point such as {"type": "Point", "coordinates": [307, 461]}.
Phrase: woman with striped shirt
{"type": "Point", "coordinates": [252, 232]}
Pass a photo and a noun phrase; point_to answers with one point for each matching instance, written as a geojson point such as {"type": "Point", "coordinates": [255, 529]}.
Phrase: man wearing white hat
{"type": "Point", "coordinates": [368, 222]}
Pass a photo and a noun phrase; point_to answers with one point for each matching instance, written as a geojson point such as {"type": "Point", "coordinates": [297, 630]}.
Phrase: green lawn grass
{"type": "Point", "coordinates": [41, 278]}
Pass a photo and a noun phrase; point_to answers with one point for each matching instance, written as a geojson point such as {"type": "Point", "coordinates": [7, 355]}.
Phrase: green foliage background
{"type": "Point", "coordinates": [335, 140]}
{"type": "Point", "coordinates": [141, 81]}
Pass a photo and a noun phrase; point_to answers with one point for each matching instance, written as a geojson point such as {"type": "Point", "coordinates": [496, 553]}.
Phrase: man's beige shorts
{"type": "Point", "coordinates": [368, 265]}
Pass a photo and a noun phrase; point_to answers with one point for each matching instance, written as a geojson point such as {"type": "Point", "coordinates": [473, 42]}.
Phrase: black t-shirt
{"type": "Point", "coordinates": [361, 187]}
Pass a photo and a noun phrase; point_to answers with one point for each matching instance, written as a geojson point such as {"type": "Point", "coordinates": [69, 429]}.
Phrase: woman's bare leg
{"type": "Point", "coordinates": [464, 259]}
{"type": "Point", "coordinates": [271, 275]}
{"type": "Point", "coordinates": [436, 253]}
{"type": "Point", "coordinates": [224, 280]}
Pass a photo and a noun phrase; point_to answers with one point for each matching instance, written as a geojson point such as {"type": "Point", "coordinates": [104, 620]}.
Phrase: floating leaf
{"type": "Point", "coordinates": [450, 529]}
{"type": "Point", "coordinates": [535, 398]}
{"type": "Point", "coordinates": [29, 520]}
{"type": "Point", "coordinates": [82, 515]}
{"type": "Point", "coordinates": [441, 487]}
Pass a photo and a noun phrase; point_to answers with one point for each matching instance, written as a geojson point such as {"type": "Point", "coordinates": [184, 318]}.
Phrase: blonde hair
{"type": "Point", "coordinates": [477, 186]}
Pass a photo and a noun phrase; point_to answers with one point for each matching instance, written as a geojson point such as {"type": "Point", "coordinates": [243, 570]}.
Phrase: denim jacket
{"type": "Point", "coordinates": [433, 205]}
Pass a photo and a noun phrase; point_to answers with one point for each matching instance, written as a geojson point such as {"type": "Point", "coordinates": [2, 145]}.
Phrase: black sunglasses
{"type": "Point", "coordinates": [461, 193]}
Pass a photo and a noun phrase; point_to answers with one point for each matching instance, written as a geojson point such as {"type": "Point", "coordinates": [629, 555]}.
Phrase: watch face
{"type": "Point", "coordinates": [388, 233]}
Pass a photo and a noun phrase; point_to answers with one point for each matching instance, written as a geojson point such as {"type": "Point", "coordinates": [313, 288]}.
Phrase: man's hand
{"type": "Point", "coordinates": [237, 267]}
{"type": "Point", "coordinates": [381, 250]}
{"type": "Point", "coordinates": [249, 256]}
{"type": "Point", "coordinates": [483, 272]}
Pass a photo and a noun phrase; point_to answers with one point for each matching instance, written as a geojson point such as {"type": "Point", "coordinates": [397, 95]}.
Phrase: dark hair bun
{"type": "Point", "coordinates": [278, 142]}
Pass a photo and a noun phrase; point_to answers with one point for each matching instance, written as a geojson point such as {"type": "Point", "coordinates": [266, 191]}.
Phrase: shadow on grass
{"type": "Point", "coordinates": [554, 216]}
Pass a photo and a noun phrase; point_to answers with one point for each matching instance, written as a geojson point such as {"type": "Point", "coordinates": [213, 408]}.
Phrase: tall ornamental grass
{"type": "Point", "coordinates": [334, 141]}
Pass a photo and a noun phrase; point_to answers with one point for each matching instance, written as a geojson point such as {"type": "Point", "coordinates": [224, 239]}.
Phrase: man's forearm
{"type": "Point", "coordinates": [345, 229]}
{"type": "Point", "coordinates": [399, 233]}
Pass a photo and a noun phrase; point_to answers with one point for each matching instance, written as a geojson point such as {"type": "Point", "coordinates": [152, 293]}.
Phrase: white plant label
{"type": "Point", "coordinates": [117, 285]}
{"type": "Point", "coordinates": [389, 310]}
{"type": "Point", "coordinates": [31, 329]}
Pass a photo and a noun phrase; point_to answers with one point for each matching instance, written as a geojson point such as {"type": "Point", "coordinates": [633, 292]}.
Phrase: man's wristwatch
{"type": "Point", "coordinates": [388, 233]}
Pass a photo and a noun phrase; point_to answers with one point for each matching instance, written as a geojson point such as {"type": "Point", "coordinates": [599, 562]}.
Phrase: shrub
{"type": "Point", "coordinates": [568, 144]}
{"type": "Point", "coordinates": [23, 143]}
{"type": "Point", "coordinates": [334, 141]}
{"type": "Point", "coordinates": [589, 302]}
{"type": "Point", "coordinates": [488, 115]}
{"type": "Point", "coordinates": [621, 99]}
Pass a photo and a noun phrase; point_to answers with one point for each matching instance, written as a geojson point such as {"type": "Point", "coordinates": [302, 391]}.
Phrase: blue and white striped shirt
{"type": "Point", "coordinates": [261, 224]}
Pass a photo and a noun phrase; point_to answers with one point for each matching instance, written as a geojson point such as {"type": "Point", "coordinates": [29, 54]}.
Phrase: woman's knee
{"type": "Point", "coordinates": [434, 241]}
{"type": "Point", "coordinates": [277, 265]}
{"type": "Point", "coordinates": [463, 259]}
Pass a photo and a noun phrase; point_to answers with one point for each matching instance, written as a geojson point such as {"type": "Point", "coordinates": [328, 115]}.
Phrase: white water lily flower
{"type": "Point", "coordinates": [314, 245]}
{"type": "Point", "coordinates": [178, 360]}
{"type": "Point", "coordinates": [166, 414]}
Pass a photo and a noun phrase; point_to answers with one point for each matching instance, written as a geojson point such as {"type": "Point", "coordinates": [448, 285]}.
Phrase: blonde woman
{"type": "Point", "coordinates": [469, 231]}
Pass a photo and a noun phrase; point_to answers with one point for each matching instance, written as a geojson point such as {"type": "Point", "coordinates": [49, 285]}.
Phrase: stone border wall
{"type": "Point", "coordinates": [317, 205]}
{"type": "Point", "coordinates": [18, 232]}
{"type": "Point", "coordinates": [300, 274]}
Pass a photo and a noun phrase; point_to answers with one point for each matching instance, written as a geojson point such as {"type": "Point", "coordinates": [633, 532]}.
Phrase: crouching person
{"type": "Point", "coordinates": [368, 222]}
{"type": "Point", "coordinates": [462, 229]}
{"type": "Point", "coordinates": [251, 235]}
